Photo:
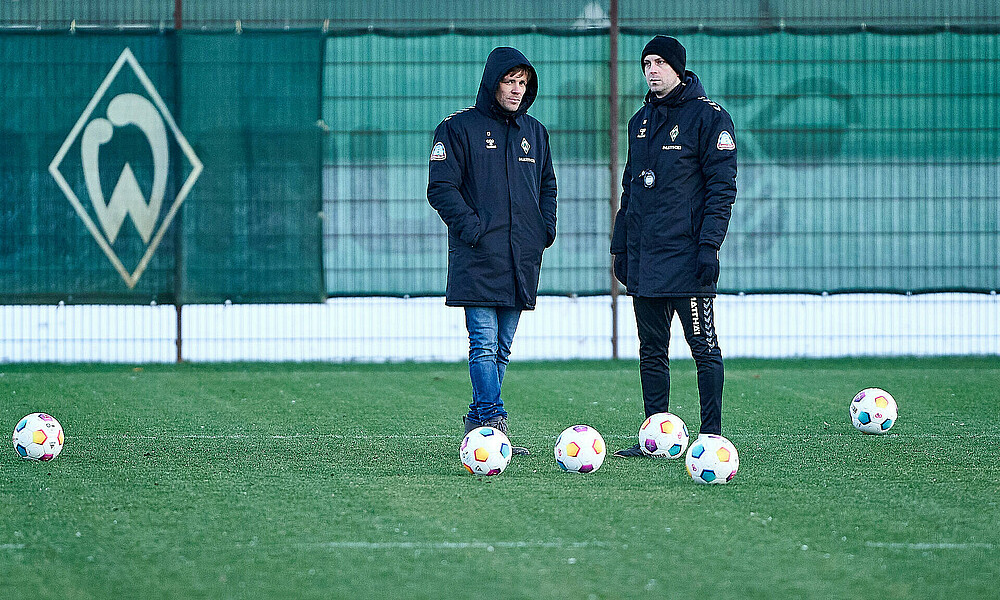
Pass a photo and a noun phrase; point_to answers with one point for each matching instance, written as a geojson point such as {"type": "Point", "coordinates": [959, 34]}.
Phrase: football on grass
{"type": "Point", "coordinates": [485, 451]}
{"type": "Point", "coordinates": [712, 459]}
{"type": "Point", "coordinates": [38, 436]}
{"type": "Point", "coordinates": [580, 449]}
{"type": "Point", "coordinates": [663, 435]}
{"type": "Point", "coordinates": [873, 410]}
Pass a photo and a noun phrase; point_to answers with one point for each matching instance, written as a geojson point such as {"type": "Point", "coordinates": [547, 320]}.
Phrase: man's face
{"type": "Point", "coordinates": [511, 90]}
{"type": "Point", "coordinates": [659, 75]}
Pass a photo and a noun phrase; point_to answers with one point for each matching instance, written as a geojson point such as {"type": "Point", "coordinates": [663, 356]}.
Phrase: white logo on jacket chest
{"type": "Point", "coordinates": [491, 144]}
{"type": "Point", "coordinates": [526, 147]}
{"type": "Point", "coordinates": [674, 133]}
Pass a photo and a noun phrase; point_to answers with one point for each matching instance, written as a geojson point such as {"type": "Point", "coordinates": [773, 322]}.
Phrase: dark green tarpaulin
{"type": "Point", "coordinates": [103, 137]}
{"type": "Point", "coordinates": [868, 162]}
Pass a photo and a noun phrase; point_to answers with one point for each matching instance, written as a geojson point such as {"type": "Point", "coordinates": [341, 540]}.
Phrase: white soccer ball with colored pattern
{"type": "Point", "coordinates": [873, 410]}
{"type": "Point", "coordinates": [485, 451]}
{"type": "Point", "coordinates": [664, 435]}
{"type": "Point", "coordinates": [580, 449]}
{"type": "Point", "coordinates": [712, 459]}
{"type": "Point", "coordinates": [38, 436]}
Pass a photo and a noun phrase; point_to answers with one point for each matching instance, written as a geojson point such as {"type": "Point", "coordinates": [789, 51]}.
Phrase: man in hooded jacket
{"type": "Point", "coordinates": [679, 186]}
{"type": "Point", "coordinates": [492, 183]}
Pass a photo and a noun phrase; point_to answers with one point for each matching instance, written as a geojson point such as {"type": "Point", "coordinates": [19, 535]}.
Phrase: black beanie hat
{"type": "Point", "coordinates": [670, 50]}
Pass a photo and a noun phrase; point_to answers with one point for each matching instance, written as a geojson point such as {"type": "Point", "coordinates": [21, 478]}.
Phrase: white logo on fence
{"type": "Point", "coordinates": [151, 117]}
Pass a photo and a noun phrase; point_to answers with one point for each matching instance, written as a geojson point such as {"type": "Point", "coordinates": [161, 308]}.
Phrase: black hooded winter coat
{"type": "Point", "coordinates": [689, 144]}
{"type": "Point", "coordinates": [492, 182]}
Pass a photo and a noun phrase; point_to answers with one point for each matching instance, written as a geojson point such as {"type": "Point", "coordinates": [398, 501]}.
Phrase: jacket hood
{"type": "Point", "coordinates": [500, 61]}
{"type": "Point", "coordinates": [692, 89]}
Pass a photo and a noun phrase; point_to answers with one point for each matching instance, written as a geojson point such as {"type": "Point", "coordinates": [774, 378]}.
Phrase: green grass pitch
{"type": "Point", "coordinates": [343, 481]}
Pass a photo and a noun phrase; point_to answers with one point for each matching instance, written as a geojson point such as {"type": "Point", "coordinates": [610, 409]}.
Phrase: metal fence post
{"type": "Point", "coordinates": [178, 231]}
{"type": "Point", "coordinates": [613, 162]}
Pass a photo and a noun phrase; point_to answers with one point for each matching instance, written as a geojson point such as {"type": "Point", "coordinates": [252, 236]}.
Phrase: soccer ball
{"type": "Point", "coordinates": [580, 449]}
{"type": "Point", "coordinates": [485, 451]}
{"type": "Point", "coordinates": [663, 435]}
{"type": "Point", "coordinates": [38, 436]}
{"type": "Point", "coordinates": [712, 459]}
{"type": "Point", "coordinates": [873, 411]}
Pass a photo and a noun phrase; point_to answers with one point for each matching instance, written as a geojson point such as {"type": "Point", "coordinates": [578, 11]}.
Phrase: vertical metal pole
{"type": "Point", "coordinates": [180, 338]}
{"type": "Point", "coordinates": [613, 162]}
{"type": "Point", "coordinates": [178, 233]}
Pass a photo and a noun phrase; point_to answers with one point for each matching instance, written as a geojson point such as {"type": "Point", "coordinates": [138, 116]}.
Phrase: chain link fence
{"type": "Point", "coordinates": [868, 218]}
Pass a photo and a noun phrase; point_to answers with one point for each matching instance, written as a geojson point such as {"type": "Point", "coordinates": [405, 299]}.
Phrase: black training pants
{"type": "Point", "coordinates": [652, 317]}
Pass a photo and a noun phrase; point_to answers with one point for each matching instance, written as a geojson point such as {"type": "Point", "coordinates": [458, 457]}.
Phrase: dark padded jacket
{"type": "Point", "coordinates": [689, 144]}
{"type": "Point", "coordinates": [492, 182]}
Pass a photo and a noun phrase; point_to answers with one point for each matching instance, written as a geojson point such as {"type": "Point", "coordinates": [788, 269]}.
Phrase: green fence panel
{"type": "Point", "coordinates": [867, 162]}
{"type": "Point", "coordinates": [383, 97]}
{"type": "Point", "coordinates": [506, 16]}
{"type": "Point", "coordinates": [54, 104]}
{"type": "Point", "coordinates": [252, 227]}
{"type": "Point", "coordinates": [163, 168]}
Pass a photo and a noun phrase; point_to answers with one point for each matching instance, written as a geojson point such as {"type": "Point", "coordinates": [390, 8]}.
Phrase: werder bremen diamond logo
{"type": "Point", "coordinates": [143, 120]}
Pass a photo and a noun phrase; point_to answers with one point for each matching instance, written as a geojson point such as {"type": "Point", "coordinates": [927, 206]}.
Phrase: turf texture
{"type": "Point", "coordinates": [343, 481]}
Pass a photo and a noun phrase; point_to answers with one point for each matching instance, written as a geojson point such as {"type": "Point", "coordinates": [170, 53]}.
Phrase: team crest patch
{"type": "Point", "coordinates": [674, 133]}
{"type": "Point", "coordinates": [437, 152]}
{"type": "Point", "coordinates": [726, 141]}
{"type": "Point", "coordinates": [525, 145]}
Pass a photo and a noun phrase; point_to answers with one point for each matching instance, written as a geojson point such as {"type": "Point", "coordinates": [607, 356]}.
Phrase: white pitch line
{"type": "Point", "coordinates": [931, 546]}
{"type": "Point", "coordinates": [336, 436]}
{"type": "Point", "coordinates": [240, 436]}
{"type": "Point", "coordinates": [805, 435]}
{"type": "Point", "coordinates": [376, 436]}
{"type": "Point", "coordinates": [488, 546]}
{"type": "Point", "coordinates": [11, 546]}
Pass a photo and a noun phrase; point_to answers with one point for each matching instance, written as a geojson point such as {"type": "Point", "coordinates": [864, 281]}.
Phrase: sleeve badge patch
{"type": "Point", "coordinates": [726, 141]}
{"type": "Point", "coordinates": [438, 153]}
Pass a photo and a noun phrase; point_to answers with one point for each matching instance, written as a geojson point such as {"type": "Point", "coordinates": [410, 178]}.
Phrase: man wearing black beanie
{"type": "Point", "coordinates": [678, 190]}
{"type": "Point", "coordinates": [669, 49]}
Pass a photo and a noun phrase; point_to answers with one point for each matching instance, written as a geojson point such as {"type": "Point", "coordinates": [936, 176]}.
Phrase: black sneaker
{"type": "Point", "coordinates": [500, 424]}
{"type": "Point", "coordinates": [630, 452]}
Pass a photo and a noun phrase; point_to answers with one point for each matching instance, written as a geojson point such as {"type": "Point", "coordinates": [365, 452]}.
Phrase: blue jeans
{"type": "Point", "coordinates": [491, 331]}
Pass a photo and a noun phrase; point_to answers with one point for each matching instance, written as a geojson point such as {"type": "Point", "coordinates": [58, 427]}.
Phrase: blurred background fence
{"type": "Point", "coordinates": [222, 180]}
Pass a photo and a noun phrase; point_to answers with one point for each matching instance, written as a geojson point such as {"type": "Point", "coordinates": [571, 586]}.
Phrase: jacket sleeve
{"type": "Point", "coordinates": [547, 195]}
{"type": "Point", "coordinates": [718, 166]}
{"type": "Point", "coordinates": [619, 238]}
{"type": "Point", "coordinates": [444, 184]}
